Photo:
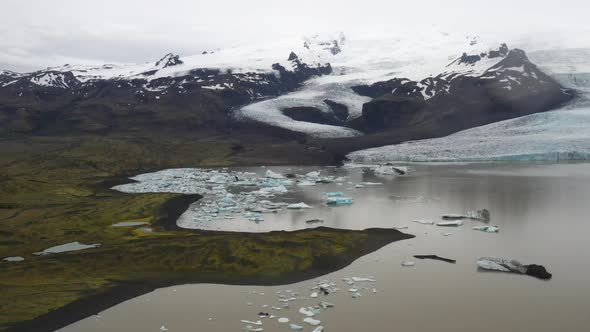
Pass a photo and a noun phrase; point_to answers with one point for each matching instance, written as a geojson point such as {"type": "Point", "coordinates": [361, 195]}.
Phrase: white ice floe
{"type": "Point", "coordinates": [258, 322]}
{"type": "Point", "coordinates": [424, 222]}
{"type": "Point", "coordinates": [450, 223]}
{"type": "Point", "coordinates": [283, 320]}
{"type": "Point", "coordinates": [72, 246]}
{"type": "Point", "coordinates": [487, 229]}
{"type": "Point", "coordinates": [311, 321]}
{"type": "Point", "coordinates": [306, 311]}
{"type": "Point", "coordinates": [298, 206]}
{"type": "Point", "coordinates": [408, 264]}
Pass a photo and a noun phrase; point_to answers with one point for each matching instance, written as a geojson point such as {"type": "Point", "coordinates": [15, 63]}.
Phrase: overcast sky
{"type": "Point", "coordinates": [39, 33]}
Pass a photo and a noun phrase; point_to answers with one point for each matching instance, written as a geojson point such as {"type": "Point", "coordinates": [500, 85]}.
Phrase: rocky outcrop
{"type": "Point", "coordinates": [340, 110]}
{"type": "Point", "coordinates": [311, 114]}
{"type": "Point", "coordinates": [169, 60]}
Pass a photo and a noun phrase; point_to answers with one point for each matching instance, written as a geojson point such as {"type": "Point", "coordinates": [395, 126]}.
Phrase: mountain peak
{"type": "Point", "coordinates": [169, 60]}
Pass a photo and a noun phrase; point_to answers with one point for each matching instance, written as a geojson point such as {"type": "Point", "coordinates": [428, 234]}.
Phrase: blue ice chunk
{"type": "Point", "coordinates": [340, 201]}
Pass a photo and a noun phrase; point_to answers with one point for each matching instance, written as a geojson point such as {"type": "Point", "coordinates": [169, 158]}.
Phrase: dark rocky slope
{"type": "Point", "coordinates": [57, 102]}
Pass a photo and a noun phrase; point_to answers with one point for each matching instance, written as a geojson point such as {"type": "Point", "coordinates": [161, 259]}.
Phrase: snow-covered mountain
{"type": "Point", "coordinates": [367, 91]}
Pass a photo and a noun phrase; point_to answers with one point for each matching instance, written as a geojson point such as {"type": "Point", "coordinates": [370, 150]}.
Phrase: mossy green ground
{"type": "Point", "coordinates": [55, 190]}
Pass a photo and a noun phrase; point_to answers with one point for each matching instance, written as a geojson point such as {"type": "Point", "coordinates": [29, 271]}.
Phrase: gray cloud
{"type": "Point", "coordinates": [38, 33]}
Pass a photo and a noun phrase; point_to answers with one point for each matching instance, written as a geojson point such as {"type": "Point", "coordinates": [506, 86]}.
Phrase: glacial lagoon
{"type": "Point", "coordinates": [540, 209]}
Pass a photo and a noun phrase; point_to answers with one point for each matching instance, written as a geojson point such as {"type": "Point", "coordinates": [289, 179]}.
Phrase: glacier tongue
{"type": "Point", "coordinates": [552, 136]}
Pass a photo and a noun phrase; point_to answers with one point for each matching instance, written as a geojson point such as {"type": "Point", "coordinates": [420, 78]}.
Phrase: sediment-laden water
{"type": "Point", "coordinates": [541, 211]}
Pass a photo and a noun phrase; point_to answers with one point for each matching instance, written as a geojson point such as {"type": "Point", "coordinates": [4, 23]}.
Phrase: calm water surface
{"type": "Point", "coordinates": [543, 214]}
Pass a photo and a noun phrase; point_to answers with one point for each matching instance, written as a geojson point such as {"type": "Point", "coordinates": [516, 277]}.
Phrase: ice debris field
{"type": "Point", "coordinates": [249, 196]}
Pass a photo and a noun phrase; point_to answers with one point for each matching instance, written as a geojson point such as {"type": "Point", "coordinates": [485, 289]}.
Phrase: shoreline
{"type": "Point", "coordinates": [126, 290]}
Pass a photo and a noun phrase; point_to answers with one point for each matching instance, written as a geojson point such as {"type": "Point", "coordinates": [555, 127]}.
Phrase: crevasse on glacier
{"type": "Point", "coordinates": [563, 134]}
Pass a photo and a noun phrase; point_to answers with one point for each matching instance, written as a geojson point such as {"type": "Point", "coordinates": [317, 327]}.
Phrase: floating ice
{"type": "Point", "coordinates": [318, 329]}
{"type": "Point", "coordinates": [424, 222]}
{"type": "Point", "coordinates": [298, 206]}
{"type": "Point", "coordinates": [450, 223]}
{"type": "Point", "coordinates": [359, 279]}
{"type": "Point", "coordinates": [311, 321]}
{"type": "Point", "coordinates": [334, 194]}
{"type": "Point", "coordinates": [226, 193]}
{"type": "Point", "coordinates": [163, 328]}
{"type": "Point", "coordinates": [72, 246]}
{"type": "Point", "coordinates": [408, 264]}
{"type": "Point", "coordinates": [272, 175]}
{"type": "Point", "coordinates": [340, 201]}
{"type": "Point", "coordinates": [307, 311]}
{"type": "Point", "coordinates": [487, 229]}
{"type": "Point", "coordinates": [511, 265]}
{"type": "Point", "coordinates": [452, 216]}
{"type": "Point", "coordinates": [283, 319]}
{"type": "Point", "coordinates": [295, 327]}
{"type": "Point", "coordinates": [258, 323]}
{"type": "Point", "coordinates": [253, 329]}
{"type": "Point", "coordinates": [326, 305]}
{"type": "Point", "coordinates": [390, 170]}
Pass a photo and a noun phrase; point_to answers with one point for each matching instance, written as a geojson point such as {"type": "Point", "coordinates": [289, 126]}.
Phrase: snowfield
{"type": "Point", "coordinates": [409, 55]}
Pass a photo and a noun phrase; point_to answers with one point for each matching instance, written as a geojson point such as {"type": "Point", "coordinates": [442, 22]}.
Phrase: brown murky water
{"type": "Point", "coordinates": [543, 214]}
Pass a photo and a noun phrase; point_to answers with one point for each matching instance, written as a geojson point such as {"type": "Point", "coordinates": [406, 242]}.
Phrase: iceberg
{"type": "Point", "coordinates": [298, 206]}
{"type": "Point", "coordinates": [424, 222]}
{"type": "Point", "coordinates": [450, 223]}
{"type": "Point", "coordinates": [487, 229]}
{"type": "Point", "coordinates": [514, 266]}
{"type": "Point", "coordinates": [311, 321]}
{"type": "Point", "coordinates": [391, 170]}
{"type": "Point", "coordinates": [340, 201]}
{"type": "Point", "coordinates": [273, 175]}
{"type": "Point", "coordinates": [334, 194]}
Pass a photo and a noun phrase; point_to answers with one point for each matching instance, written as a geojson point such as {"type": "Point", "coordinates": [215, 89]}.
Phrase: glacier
{"type": "Point", "coordinates": [562, 134]}
{"type": "Point", "coordinates": [550, 136]}
{"type": "Point", "coordinates": [406, 54]}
